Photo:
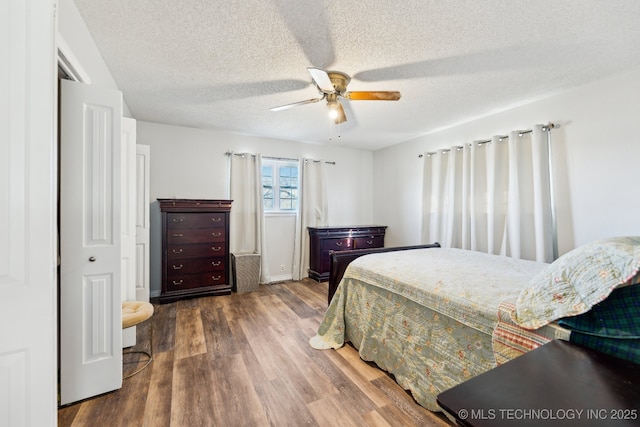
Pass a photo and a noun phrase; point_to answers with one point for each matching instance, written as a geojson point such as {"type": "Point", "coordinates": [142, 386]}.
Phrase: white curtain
{"type": "Point", "coordinates": [493, 196]}
{"type": "Point", "coordinates": [247, 216]}
{"type": "Point", "coordinates": [312, 212]}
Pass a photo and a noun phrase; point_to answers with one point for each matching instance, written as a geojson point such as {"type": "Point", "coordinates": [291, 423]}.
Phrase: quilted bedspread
{"type": "Point", "coordinates": [425, 315]}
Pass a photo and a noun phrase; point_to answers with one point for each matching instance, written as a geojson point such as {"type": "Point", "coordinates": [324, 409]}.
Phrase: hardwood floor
{"type": "Point", "coordinates": [245, 360]}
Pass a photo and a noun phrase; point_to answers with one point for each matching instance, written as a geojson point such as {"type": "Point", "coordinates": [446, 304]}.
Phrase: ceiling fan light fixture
{"type": "Point", "coordinates": [332, 85]}
{"type": "Point", "coordinates": [333, 109]}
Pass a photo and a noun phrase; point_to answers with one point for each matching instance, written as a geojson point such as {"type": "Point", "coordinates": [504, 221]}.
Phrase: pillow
{"type": "Point", "coordinates": [576, 281]}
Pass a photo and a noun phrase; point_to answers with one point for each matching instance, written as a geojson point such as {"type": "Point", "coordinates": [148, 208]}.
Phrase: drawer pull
{"type": "Point", "coordinates": [177, 282]}
{"type": "Point", "coordinates": [338, 243]}
{"type": "Point", "coordinates": [178, 219]}
{"type": "Point", "coordinates": [177, 267]}
{"type": "Point", "coordinates": [177, 251]}
{"type": "Point", "coordinates": [369, 242]}
{"type": "Point", "coordinates": [216, 219]}
{"type": "Point", "coordinates": [216, 248]}
{"type": "Point", "coordinates": [216, 234]}
{"type": "Point", "coordinates": [216, 263]}
{"type": "Point", "coordinates": [216, 277]}
{"type": "Point", "coordinates": [178, 235]}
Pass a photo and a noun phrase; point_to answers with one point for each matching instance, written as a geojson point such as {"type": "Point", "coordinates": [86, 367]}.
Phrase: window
{"type": "Point", "coordinates": [279, 186]}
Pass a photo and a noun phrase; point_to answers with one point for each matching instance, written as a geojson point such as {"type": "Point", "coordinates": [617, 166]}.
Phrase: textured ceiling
{"type": "Point", "coordinates": [223, 64]}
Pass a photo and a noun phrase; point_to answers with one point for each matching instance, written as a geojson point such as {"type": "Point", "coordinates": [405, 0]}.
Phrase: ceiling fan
{"type": "Point", "coordinates": [333, 86]}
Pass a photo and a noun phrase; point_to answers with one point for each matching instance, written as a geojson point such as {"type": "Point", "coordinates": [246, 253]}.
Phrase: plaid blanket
{"type": "Point", "coordinates": [612, 326]}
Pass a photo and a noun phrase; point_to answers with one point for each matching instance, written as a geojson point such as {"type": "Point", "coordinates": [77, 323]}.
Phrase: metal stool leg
{"type": "Point", "coordinates": [148, 354]}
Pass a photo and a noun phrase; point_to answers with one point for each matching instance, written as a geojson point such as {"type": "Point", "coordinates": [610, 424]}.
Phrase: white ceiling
{"type": "Point", "coordinates": [223, 64]}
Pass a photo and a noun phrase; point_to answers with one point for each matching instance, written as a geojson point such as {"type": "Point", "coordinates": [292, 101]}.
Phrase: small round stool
{"type": "Point", "coordinates": [134, 313]}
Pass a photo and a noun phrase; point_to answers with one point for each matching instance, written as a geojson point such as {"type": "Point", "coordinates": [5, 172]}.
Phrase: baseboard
{"type": "Point", "coordinates": [281, 278]}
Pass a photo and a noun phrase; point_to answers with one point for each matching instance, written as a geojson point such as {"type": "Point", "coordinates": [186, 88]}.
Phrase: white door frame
{"type": "Point", "coordinates": [69, 62]}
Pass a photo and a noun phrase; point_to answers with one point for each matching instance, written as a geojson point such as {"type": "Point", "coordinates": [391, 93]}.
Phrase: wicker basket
{"type": "Point", "coordinates": [246, 271]}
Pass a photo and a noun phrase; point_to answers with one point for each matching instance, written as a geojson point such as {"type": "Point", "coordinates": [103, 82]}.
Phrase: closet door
{"type": "Point", "coordinates": [27, 214]}
{"type": "Point", "coordinates": [90, 241]}
{"type": "Point", "coordinates": [143, 156]}
{"type": "Point", "coordinates": [128, 218]}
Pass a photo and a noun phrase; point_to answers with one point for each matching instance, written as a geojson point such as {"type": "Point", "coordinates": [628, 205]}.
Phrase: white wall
{"type": "Point", "coordinates": [596, 152]}
{"type": "Point", "coordinates": [75, 33]}
{"type": "Point", "coordinates": [280, 228]}
{"type": "Point", "coordinates": [191, 163]}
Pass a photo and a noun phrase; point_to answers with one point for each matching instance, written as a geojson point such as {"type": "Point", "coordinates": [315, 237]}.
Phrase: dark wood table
{"type": "Point", "coordinates": [559, 383]}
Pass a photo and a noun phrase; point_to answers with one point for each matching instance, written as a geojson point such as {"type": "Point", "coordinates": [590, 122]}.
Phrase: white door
{"type": "Point", "coordinates": [27, 214]}
{"type": "Point", "coordinates": [128, 225]}
{"type": "Point", "coordinates": [143, 155]}
{"type": "Point", "coordinates": [90, 237]}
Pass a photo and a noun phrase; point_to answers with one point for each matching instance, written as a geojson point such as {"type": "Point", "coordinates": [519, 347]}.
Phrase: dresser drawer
{"type": "Point", "coordinates": [199, 265]}
{"type": "Point", "coordinates": [195, 220]}
{"type": "Point", "coordinates": [195, 235]}
{"type": "Point", "coordinates": [368, 242]}
{"type": "Point", "coordinates": [342, 244]}
{"type": "Point", "coordinates": [190, 281]}
{"type": "Point", "coordinates": [198, 250]}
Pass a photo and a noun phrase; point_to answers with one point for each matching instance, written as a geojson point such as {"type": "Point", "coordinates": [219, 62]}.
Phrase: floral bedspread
{"type": "Point", "coordinates": [424, 315]}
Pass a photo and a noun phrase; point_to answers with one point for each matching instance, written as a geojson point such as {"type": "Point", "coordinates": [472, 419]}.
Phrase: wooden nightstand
{"type": "Point", "coordinates": [559, 383]}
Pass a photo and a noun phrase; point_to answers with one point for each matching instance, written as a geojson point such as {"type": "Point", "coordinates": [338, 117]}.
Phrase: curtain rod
{"type": "Point", "coordinates": [229, 153]}
{"type": "Point", "coordinates": [546, 127]}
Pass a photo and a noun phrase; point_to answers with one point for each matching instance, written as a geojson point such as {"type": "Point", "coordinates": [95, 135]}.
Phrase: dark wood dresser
{"type": "Point", "coordinates": [324, 240]}
{"type": "Point", "coordinates": [195, 248]}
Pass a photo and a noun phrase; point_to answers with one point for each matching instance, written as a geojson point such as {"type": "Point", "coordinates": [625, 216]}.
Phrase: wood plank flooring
{"type": "Point", "coordinates": [245, 360]}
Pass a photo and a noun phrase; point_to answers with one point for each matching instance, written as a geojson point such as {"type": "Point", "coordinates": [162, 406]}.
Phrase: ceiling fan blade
{"type": "Point", "coordinates": [296, 104]}
{"type": "Point", "coordinates": [322, 79]}
{"type": "Point", "coordinates": [372, 96]}
{"type": "Point", "coordinates": [341, 117]}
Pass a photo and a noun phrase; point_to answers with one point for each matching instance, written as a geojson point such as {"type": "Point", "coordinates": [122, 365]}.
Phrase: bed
{"type": "Point", "coordinates": [434, 317]}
